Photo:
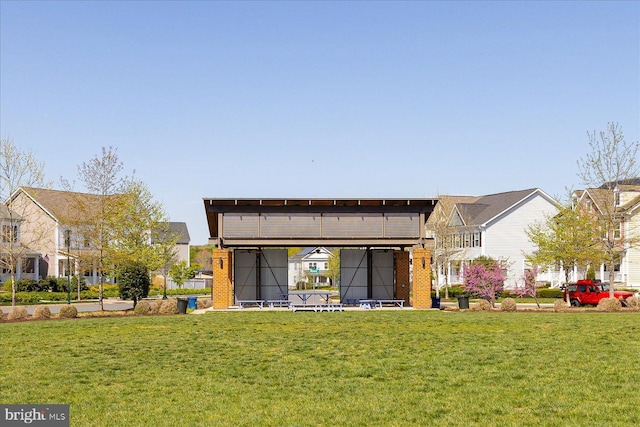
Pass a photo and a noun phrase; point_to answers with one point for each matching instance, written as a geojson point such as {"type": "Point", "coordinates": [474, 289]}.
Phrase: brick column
{"type": "Point", "coordinates": [421, 278]}
{"type": "Point", "coordinates": [222, 289]}
{"type": "Point", "coordinates": [403, 285]}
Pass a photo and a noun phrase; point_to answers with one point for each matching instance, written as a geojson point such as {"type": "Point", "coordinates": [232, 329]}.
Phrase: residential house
{"type": "Point", "coordinates": [179, 230]}
{"type": "Point", "coordinates": [625, 200]}
{"type": "Point", "coordinates": [495, 226]}
{"type": "Point", "coordinates": [55, 227]}
{"type": "Point", "coordinates": [50, 226]}
{"type": "Point", "coordinates": [310, 264]}
{"type": "Point", "coordinates": [27, 264]}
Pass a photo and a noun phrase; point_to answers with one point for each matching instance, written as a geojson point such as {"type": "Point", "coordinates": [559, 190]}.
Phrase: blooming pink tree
{"type": "Point", "coordinates": [484, 278]}
{"type": "Point", "coordinates": [529, 289]}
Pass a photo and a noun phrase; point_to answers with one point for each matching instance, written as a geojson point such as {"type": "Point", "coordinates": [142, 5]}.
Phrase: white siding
{"type": "Point", "coordinates": [506, 237]}
{"type": "Point", "coordinates": [632, 260]}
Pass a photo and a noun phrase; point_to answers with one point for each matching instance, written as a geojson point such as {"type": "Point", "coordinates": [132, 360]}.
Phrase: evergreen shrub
{"type": "Point", "coordinates": [560, 306]}
{"type": "Point", "coordinates": [609, 304]}
{"type": "Point", "coordinates": [41, 312]}
{"type": "Point", "coordinates": [508, 304]}
{"type": "Point", "coordinates": [169, 306]}
{"type": "Point", "coordinates": [68, 312]}
{"type": "Point", "coordinates": [17, 313]}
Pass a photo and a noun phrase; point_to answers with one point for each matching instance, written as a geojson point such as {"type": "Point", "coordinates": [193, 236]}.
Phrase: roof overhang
{"type": "Point", "coordinates": [318, 210]}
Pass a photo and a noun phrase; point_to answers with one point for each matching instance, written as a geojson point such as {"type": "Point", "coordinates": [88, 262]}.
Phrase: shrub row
{"type": "Point", "coordinates": [174, 292]}
{"type": "Point", "coordinates": [50, 284]}
{"type": "Point", "coordinates": [40, 312]}
{"type": "Point", "coordinates": [456, 291]}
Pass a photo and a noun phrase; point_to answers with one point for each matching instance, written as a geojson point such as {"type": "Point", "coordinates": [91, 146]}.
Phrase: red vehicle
{"type": "Point", "coordinates": [590, 292]}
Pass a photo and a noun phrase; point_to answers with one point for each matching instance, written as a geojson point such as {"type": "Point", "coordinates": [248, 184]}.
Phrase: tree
{"type": "Point", "coordinates": [568, 238]}
{"type": "Point", "coordinates": [18, 168]}
{"type": "Point", "coordinates": [202, 255]}
{"type": "Point", "coordinates": [612, 160]}
{"type": "Point", "coordinates": [530, 289]}
{"type": "Point", "coordinates": [446, 236]}
{"type": "Point", "coordinates": [101, 177]}
{"type": "Point", "coordinates": [484, 278]}
{"type": "Point", "coordinates": [134, 281]}
{"type": "Point", "coordinates": [334, 267]}
{"type": "Point", "coordinates": [180, 272]}
{"type": "Point", "coordinates": [139, 228]}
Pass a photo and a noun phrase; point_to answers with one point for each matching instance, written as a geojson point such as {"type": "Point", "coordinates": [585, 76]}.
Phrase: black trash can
{"type": "Point", "coordinates": [463, 301]}
{"type": "Point", "coordinates": [435, 302]}
{"type": "Point", "coordinates": [182, 305]}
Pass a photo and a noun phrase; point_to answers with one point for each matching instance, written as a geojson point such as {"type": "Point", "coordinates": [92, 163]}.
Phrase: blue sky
{"type": "Point", "coordinates": [319, 99]}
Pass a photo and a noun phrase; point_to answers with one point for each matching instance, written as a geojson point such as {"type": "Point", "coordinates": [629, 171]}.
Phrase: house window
{"type": "Point", "coordinates": [28, 266]}
{"type": "Point", "coordinates": [9, 233]}
{"type": "Point", "coordinates": [326, 265]}
{"type": "Point", "coordinates": [476, 239]}
{"type": "Point", "coordinates": [617, 230]}
{"type": "Point", "coordinates": [313, 266]}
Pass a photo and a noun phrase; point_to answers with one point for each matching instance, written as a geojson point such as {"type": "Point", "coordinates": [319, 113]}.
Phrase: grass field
{"type": "Point", "coordinates": [352, 368]}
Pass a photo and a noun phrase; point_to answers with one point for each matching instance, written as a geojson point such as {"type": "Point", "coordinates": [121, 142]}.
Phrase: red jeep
{"type": "Point", "coordinates": [590, 292]}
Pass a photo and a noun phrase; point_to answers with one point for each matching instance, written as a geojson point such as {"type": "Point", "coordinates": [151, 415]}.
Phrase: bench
{"type": "Point", "coordinates": [330, 307]}
{"type": "Point", "coordinates": [396, 302]}
{"type": "Point", "coordinates": [304, 307]}
{"type": "Point", "coordinates": [368, 304]}
{"type": "Point", "coordinates": [279, 303]}
{"type": "Point", "coordinates": [245, 302]}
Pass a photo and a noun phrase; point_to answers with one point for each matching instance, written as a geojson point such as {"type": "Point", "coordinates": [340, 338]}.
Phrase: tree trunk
{"type": "Point", "coordinates": [612, 276]}
{"type": "Point", "coordinates": [13, 288]}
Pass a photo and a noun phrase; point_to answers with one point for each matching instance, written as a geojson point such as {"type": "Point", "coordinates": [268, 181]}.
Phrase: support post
{"type": "Point", "coordinates": [402, 282]}
{"type": "Point", "coordinates": [222, 287]}
{"type": "Point", "coordinates": [421, 278]}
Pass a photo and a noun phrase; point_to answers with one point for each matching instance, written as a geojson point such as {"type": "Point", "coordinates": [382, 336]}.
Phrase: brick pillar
{"type": "Point", "coordinates": [222, 289]}
{"type": "Point", "coordinates": [421, 278]}
{"type": "Point", "coordinates": [403, 285]}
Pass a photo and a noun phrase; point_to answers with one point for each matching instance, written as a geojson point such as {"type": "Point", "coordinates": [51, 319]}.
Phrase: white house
{"type": "Point", "coordinates": [310, 263]}
{"type": "Point", "coordinates": [626, 197]}
{"type": "Point", "coordinates": [27, 264]}
{"type": "Point", "coordinates": [494, 225]}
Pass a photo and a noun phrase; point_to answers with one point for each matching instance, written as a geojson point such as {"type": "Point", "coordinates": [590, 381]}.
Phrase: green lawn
{"type": "Point", "coordinates": [352, 368]}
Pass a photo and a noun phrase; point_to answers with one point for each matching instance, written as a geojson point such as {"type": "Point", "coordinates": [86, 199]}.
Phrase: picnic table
{"type": "Point", "coordinates": [304, 296]}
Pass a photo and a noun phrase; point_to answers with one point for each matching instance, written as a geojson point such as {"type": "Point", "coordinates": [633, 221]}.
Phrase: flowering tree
{"type": "Point", "coordinates": [529, 289]}
{"type": "Point", "coordinates": [484, 278]}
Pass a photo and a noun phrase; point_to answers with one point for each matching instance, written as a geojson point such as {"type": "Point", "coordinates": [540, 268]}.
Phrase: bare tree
{"type": "Point", "coordinates": [446, 238]}
{"type": "Point", "coordinates": [568, 238]}
{"type": "Point", "coordinates": [18, 168]}
{"type": "Point", "coordinates": [610, 163]}
{"type": "Point", "coordinates": [101, 177]}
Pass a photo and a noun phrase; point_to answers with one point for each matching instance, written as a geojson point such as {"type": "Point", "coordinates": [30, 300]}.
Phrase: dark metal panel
{"type": "Point", "coordinates": [382, 276]}
{"type": "Point", "coordinates": [273, 273]}
{"type": "Point", "coordinates": [293, 225]}
{"type": "Point", "coordinates": [352, 225]}
{"type": "Point", "coordinates": [245, 274]}
{"type": "Point", "coordinates": [402, 225]}
{"type": "Point", "coordinates": [353, 274]}
{"type": "Point", "coordinates": [241, 225]}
